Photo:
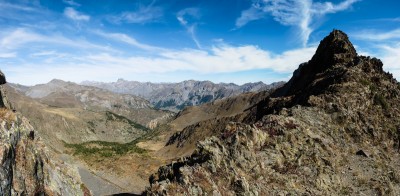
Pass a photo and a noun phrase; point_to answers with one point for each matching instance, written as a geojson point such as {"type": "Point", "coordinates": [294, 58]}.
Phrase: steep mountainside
{"type": "Point", "coordinates": [199, 122]}
{"type": "Point", "coordinates": [176, 96]}
{"type": "Point", "coordinates": [27, 167]}
{"type": "Point", "coordinates": [61, 94]}
{"type": "Point", "coordinates": [333, 129]}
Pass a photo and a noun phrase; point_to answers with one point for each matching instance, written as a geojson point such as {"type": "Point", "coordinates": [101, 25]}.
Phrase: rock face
{"type": "Point", "coordinates": [333, 129]}
{"type": "Point", "coordinates": [3, 100]}
{"type": "Point", "coordinates": [2, 78]}
{"type": "Point", "coordinates": [27, 168]}
{"type": "Point", "coordinates": [176, 96]}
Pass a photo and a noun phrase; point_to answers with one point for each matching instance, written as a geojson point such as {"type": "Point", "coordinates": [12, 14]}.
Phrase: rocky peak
{"type": "Point", "coordinates": [121, 80]}
{"type": "Point", "coordinates": [333, 49]}
{"type": "Point", "coordinates": [333, 67]}
{"type": "Point", "coordinates": [58, 82]}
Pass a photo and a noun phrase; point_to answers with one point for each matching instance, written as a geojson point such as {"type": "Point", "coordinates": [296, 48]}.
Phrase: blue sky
{"type": "Point", "coordinates": [173, 40]}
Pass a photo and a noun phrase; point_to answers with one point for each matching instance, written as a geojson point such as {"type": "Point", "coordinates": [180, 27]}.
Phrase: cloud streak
{"type": "Point", "coordinates": [300, 14]}
{"type": "Point", "coordinates": [8, 55]}
{"type": "Point", "coordinates": [7, 6]}
{"type": "Point", "coordinates": [21, 37]}
{"type": "Point", "coordinates": [72, 14]}
{"type": "Point", "coordinates": [373, 35]}
{"type": "Point", "coordinates": [384, 45]}
{"type": "Point", "coordinates": [183, 17]}
{"type": "Point", "coordinates": [71, 3]}
{"type": "Point", "coordinates": [390, 55]}
{"type": "Point", "coordinates": [120, 37]}
{"type": "Point", "coordinates": [143, 15]}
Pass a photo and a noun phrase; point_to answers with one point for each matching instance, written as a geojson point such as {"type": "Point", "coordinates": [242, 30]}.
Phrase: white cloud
{"type": "Point", "coordinates": [183, 17]}
{"type": "Point", "coordinates": [71, 13]}
{"type": "Point", "coordinates": [253, 13]}
{"type": "Point", "coordinates": [71, 3]}
{"type": "Point", "coordinates": [13, 39]}
{"type": "Point", "coordinates": [144, 14]}
{"type": "Point", "coordinates": [384, 45]}
{"type": "Point", "coordinates": [8, 55]}
{"type": "Point", "coordinates": [7, 6]}
{"type": "Point", "coordinates": [390, 55]}
{"type": "Point", "coordinates": [44, 53]}
{"type": "Point", "coordinates": [373, 35]}
{"type": "Point", "coordinates": [301, 14]}
{"type": "Point", "coordinates": [127, 39]}
{"type": "Point", "coordinates": [220, 59]}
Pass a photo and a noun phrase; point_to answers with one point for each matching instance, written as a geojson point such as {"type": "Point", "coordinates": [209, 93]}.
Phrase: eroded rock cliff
{"type": "Point", "coordinates": [26, 166]}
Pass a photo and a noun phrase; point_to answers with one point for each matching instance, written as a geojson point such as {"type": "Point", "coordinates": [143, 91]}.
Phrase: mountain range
{"type": "Point", "coordinates": [176, 96]}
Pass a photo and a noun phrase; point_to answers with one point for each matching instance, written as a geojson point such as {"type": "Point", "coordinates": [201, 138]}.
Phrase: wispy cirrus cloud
{"type": "Point", "coordinates": [15, 11]}
{"type": "Point", "coordinates": [13, 39]}
{"type": "Point", "coordinates": [374, 35]}
{"type": "Point", "coordinates": [71, 13]}
{"type": "Point", "coordinates": [71, 3]}
{"type": "Point", "coordinates": [121, 37]}
{"type": "Point", "coordinates": [390, 55]}
{"type": "Point", "coordinates": [142, 15]}
{"type": "Point", "coordinates": [301, 14]}
{"type": "Point", "coordinates": [8, 55]}
{"type": "Point", "coordinates": [184, 17]}
{"type": "Point", "coordinates": [7, 6]}
{"type": "Point", "coordinates": [384, 45]}
{"type": "Point", "coordinates": [44, 53]}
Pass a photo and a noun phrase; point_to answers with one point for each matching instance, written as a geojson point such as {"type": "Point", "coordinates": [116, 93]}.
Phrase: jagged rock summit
{"type": "Point", "coordinates": [333, 129]}
{"type": "Point", "coordinates": [335, 49]}
{"type": "Point", "coordinates": [335, 62]}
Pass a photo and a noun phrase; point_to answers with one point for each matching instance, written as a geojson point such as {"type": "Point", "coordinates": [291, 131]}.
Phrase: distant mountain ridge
{"type": "Point", "coordinates": [176, 96]}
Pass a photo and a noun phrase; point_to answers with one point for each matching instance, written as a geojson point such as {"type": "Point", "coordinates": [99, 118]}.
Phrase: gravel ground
{"type": "Point", "coordinates": [97, 185]}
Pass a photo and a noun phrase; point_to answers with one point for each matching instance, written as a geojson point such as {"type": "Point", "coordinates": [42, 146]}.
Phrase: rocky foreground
{"type": "Point", "coordinates": [27, 167]}
{"type": "Point", "coordinates": [333, 129]}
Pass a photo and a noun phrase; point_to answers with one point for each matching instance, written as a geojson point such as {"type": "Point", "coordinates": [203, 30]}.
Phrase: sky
{"type": "Point", "coordinates": [235, 41]}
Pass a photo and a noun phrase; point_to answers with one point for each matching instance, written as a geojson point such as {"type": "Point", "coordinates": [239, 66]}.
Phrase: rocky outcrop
{"type": "Point", "coordinates": [2, 78]}
{"type": "Point", "coordinates": [3, 99]}
{"type": "Point", "coordinates": [27, 168]}
{"type": "Point", "coordinates": [160, 120]}
{"type": "Point", "coordinates": [333, 129]}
